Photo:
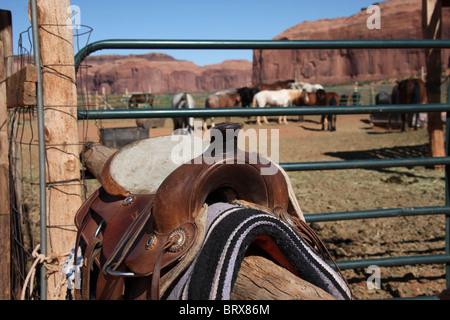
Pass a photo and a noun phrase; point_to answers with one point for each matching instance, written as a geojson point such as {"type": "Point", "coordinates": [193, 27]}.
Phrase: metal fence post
{"type": "Point", "coordinates": [42, 173]}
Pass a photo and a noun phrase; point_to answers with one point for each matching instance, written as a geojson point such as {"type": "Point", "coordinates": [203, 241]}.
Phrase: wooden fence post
{"type": "Point", "coordinates": [432, 29]}
{"type": "Point", "coordinates": [6, 69]}
{"type": "Point", "coordinates": [61, 135]}
{"type": "Point", "coordinates": [5, 214]}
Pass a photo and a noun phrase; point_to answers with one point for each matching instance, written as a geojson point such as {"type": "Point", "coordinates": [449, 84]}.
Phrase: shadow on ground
{"type": "Point", "coordinates": [417, 151]}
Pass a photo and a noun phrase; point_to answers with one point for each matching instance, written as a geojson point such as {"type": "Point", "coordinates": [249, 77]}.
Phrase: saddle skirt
{"type": "Point", "coordinates": [152, 237]}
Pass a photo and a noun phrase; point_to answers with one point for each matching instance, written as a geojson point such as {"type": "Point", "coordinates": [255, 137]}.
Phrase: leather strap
{"type": "Point", "coordinates": [128, 239]}
{"type": "Point", "coordinates": [92, 250]}
{"type": "Point", "coordinates": [157, 269]}
{"type": "Point", "coordinates": [83, 215]}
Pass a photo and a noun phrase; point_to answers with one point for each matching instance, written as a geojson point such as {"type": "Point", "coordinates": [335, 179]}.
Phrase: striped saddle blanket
{"type": "Point", "coordinates": [230, 231]}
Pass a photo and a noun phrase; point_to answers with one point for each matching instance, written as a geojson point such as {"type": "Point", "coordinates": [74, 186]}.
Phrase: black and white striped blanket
{"type": "Point", "coordinates": [230, 231]}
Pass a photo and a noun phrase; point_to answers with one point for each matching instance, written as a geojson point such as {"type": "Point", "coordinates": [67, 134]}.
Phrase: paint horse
{"type": "Point", "coordinates": [223, 99]}
{"type": "Point", "coordinates": [183, 101]}
{"type": "Point", "coordinates": [279, 98]}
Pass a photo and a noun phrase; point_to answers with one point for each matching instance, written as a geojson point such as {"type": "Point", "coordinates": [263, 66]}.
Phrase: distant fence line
{"type": "Point", "coordinates": [163, 100]}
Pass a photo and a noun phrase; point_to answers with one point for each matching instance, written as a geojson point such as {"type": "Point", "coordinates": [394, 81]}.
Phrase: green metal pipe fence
{"type": "Point", "coordinates": [244, 112]}
{"type": "Point", "coordinates": [328, 165]}
{"type": "Point", "coordinates": [255, 44]}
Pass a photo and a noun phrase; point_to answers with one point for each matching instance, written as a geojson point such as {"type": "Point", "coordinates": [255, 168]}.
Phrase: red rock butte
{"type": "Point", "coordinates": [399, 19]}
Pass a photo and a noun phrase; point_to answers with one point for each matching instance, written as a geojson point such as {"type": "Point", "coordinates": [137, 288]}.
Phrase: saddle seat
{"type": "Point", "coordinates": [153, 230]}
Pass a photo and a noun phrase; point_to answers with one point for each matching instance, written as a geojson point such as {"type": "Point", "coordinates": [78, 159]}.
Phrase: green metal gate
{"type": "Point", "coordinates": [319, 110]}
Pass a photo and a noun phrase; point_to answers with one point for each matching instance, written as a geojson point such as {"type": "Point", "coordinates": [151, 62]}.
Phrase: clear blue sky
{"type": "Point", "coordinates": [191, 19]}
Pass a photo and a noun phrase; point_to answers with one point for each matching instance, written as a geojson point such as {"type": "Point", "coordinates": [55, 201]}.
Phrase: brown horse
{"type": "Point", "coordinates": [222, 100]}
{"type": "Point", "coordinates": [409, 91]}
{"type": "Point", "coordinates": [137, 98]}
{"type": "Point", "coordinates": [278, 85]}
{"type": "Point", "coordinates": [327, 99]}
{"type": "Point", "coordinates": [310, 102]}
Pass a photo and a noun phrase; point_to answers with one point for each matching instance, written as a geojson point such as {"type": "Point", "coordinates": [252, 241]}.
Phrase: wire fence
{"type": "Point", "coordinates": [25, 180]}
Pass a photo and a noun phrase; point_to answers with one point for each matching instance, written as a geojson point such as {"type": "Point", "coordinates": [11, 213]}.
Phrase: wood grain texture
{"type": "Point", "coordinates": [262, 279]}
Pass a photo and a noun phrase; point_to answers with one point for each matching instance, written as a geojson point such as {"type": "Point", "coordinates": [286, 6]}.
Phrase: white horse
{"type": "Point", "coordinates": [183, 101]}
{"type": "Point", "coordinates": [307, 86]}
{"type": "Point", "coordinates": [279, 98]}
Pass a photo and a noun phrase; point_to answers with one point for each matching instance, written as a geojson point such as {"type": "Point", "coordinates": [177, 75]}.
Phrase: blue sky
{"type": "Point", "coordinates": [191, 19]}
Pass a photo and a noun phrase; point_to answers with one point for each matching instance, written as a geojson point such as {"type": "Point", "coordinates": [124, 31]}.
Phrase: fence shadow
{"type": "Point", "coordinates": [417, 151]}
{"type": "Point", "coordinates": [384, 153]}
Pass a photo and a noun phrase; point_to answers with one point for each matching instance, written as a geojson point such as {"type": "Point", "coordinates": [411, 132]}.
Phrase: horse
{"type": "Point", "coordinates": [137, 98]}
{"type": "Point", "coordinates": [223, 99]}
{"type": "Point", "coordinates": [279, 98]}
{"type": "Point", "coordinates": [327, 99]}
{"type": "Point", "coordinates": [384, 98]}
{"type": "Point", "coordinates": [409, 91]}
{"type": "Point", "coordinates": [247, 95]}
{"type": "Point", "coordinates": [312, 101]}
{"type": "Point", "coordinates": [278, 85]}
{"type": "Point", "coordinates": [306, 86]}
{"type": "Point", "coordinates": [183, 101]}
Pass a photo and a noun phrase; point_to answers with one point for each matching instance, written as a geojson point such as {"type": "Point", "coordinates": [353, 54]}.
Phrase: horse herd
{"type": "Point", "coordinates": [291, 93]}
{"type": "Point", "coordinates": [278, 94]}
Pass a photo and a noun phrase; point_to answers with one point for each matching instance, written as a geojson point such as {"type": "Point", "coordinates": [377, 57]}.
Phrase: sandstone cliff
{"type": "Point", "coordinates": [158, 72]}
{"type": "Point", "coordinates": [400, 19]}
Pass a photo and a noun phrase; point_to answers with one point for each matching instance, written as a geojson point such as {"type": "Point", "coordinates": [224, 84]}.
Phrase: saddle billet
{"type": "Point", "coordinates": [152, 239]}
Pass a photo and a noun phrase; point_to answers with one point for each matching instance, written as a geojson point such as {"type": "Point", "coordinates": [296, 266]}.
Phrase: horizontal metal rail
{"type": "Point", "coordinates": [394, 261]}
{"type": "Point", "coordinates": [272, 111]}
{"type": "Point", "coordinates": [255, 44]}
{"type": "Point", "coordinates": [380, 213]}
{"type": "Point", "coordinates": [384, 213]}
{"type": "Point", "coordinates": [365, 164]}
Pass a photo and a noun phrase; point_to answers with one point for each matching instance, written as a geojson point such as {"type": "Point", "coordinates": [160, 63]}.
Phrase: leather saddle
{"type": "Point", "coordinates": [135, 245]}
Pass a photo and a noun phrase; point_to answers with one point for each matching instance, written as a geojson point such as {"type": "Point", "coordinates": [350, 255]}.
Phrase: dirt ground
{"type": "Point", "coordinates": [349, 190]}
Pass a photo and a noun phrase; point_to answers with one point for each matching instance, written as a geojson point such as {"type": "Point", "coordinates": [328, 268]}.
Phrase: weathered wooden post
{"type": "Point", "coordinates": [432, 29]}
{"type": "Point", "coordinates": [5, 213]}
{"type": "Point", "coordinates": [61, 134]}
